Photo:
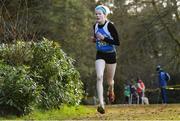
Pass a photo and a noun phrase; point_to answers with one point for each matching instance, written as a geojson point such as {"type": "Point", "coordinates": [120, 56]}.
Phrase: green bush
{"type": "Point", "coordinates": [17, 89]}
{"type": "Point", "coordinates": [37, 73]}
{"type": "Point", "coordinates": [20, 53]}
{"type": "Point", "coordinates": [61, 81]}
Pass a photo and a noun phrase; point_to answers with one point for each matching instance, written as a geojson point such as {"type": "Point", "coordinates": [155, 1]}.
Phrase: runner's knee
{"type": "Point", "coordinates": [100, 77]}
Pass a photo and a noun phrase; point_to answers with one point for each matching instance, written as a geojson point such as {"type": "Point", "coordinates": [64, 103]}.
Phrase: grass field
{"type": "Point", "coordinates": [113, 112]}
{"type": "Point", "coordinates": [140, 112]}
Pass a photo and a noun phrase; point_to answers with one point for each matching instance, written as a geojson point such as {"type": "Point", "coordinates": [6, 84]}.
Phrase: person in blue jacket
{"type": "Point", "coordinates": [162, 76]}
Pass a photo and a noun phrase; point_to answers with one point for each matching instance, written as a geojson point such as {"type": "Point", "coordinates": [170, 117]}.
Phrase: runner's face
{"type": "Point", "coordinates": [100, 17]}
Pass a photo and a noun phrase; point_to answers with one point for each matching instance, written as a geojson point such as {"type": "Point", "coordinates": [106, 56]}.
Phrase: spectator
{"type": "Point", "coordinates": [163, 78]}
{"type": "Point", "coordinates": [140, 89]}
{"type": "Point", "coordinates": [134, 95]}
{"type": "Point", "coordinates": [127, 93]}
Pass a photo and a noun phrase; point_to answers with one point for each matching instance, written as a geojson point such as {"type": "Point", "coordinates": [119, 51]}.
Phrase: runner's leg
{"type": "Point", "coordinates": [100, 66]}
{"type": "Point", "coordinates": [111, 68]}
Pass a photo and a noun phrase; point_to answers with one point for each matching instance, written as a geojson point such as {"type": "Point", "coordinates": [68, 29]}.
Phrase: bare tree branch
{"type": "Point", "coordinates": [164, 24]}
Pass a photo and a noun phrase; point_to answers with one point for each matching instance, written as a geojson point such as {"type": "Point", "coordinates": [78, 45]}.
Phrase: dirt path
{"type": "Point", "coordinates": [137, 112]}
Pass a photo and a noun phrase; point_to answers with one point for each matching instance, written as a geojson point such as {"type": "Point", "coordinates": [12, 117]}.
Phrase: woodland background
{"type": "Point", "coordinates": [149, 32]}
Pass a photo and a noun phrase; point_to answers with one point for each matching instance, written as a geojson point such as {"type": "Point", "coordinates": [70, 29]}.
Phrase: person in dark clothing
{"type": "Point", "coordinates": [134, 95]}
{"type": "Point", "coordinates": [163, 78]}
{"type": "Point", "coordinates": [106, 39]}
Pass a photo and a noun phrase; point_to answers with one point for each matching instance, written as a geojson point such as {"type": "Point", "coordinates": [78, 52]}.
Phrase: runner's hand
{"type": "Point", "coordinates": [99, 36]}
{"type": "Point", "coordinates": [93, 39]}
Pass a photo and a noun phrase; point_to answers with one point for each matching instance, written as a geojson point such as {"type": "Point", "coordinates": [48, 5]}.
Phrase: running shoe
{"type": "Point", "coordinates": [111, 96]}
{"type": "Point", "coordinates": [100, 109]}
